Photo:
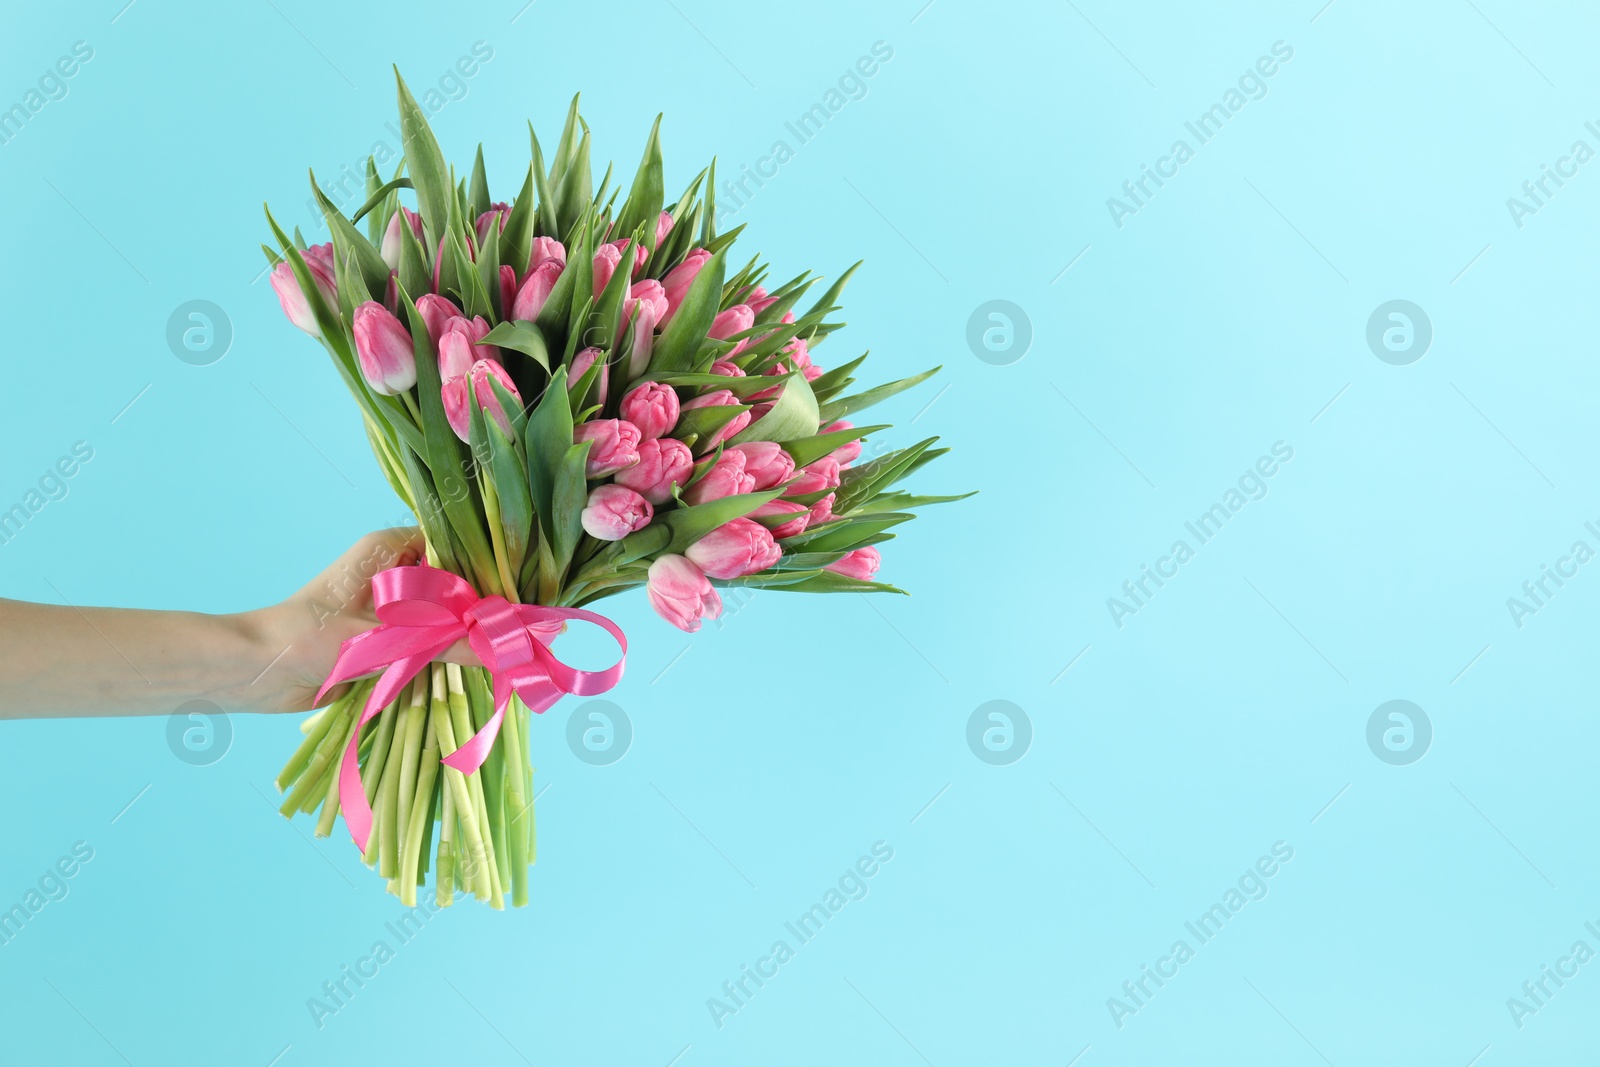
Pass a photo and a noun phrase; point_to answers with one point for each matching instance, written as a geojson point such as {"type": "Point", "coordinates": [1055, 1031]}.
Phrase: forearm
{"type": "Point", "coordinates": [64, 661]}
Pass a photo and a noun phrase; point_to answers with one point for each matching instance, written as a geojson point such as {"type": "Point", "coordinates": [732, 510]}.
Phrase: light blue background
{"type": "Point", "coordinates": [1228, 314]}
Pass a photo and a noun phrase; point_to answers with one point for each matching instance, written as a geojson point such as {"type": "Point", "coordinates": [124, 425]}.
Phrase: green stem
{"type": "Point", "coordinates": [475, 865]}
{"type": "Point", "coordinates": [497, 537]}
{"type": "Point", "coordinates": [372, 773]}
{"type": "Point", "coordinates": [421, 815]}
{"type": "Point", "coordinates": [310, 780]}
{"type": "Point", "coordinates": [461, 719]}
{"type": "Point", "coordinates": [302, 755]}
{"type": "Point", "coordinates": [516, 807]}
{"type": "Point", "coordinates": [330, 797]}
{"type": "Point", "coordinates": [444, 872]}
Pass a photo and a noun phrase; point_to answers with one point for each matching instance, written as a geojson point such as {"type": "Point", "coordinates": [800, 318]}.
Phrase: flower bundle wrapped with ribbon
{"type": "Point", "coordinates": [575, 399]}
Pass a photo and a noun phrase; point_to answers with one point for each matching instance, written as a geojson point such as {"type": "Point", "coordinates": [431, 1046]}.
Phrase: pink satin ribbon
{"type": "Point", "coordinates": [422, 612]}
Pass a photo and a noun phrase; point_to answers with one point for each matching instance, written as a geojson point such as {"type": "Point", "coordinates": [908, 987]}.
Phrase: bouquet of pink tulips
{"type": "Point", "coordinates": [575, 399]}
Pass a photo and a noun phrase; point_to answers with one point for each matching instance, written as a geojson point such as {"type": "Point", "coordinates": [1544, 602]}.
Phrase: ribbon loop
{"type": "Point", "coordinates": [422, 611]}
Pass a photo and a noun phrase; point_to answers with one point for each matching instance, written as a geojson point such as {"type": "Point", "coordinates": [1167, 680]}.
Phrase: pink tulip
{"type": "Point", "coordinates": [766, 462]}
{"type": "Point", "coordinates": [606, 258]}
{"type": "Point", "coordinates": [820, 512]}
{"type": "Point", "coordinates": [293, 300]}
{"type": "Point", "coordinates": [455, 355]}
{"type": "Point", "coordinates": [677, 281]}
{"type": "Point", "coordinates": [615, 448]}
{"type": "Point", "coordinates": [582, 360]}
{"type": "Point", "coordinates": [680, 593]}
{"type": "Point", "coordinates": [645, 305]}
{"type": "Point", "coordinates": [496, 216]}
{"type": "Point", "coordinates": [758, 299]}
{"type": "Point", "coordinates": [640, 254]}
{"type": "Point", "coordinates": [614, 512]}
{"type": "Point", "coordinates": [488, 399]}
{"type": "Point", "coordinates": [393, 235]}
{"type": "Point", "coordinates": [536, 289]}
{"type": "Point", "coordinates": [815, 477]}
{"type": "Point", "coordinates": [383, 348]}
{"type": "Point", "coordinates": [664, 224]}
{"type": "Point", "coordinates": [727, 368]}
{"type": "Point", "coordinates": [734, 549]}
{"type": "Point", "coordinates": [718, 398]}
{"type": "Point", "coordinates": [726, 477]}
{"type": "Point", "coordinates": [474, 330]}
{"type": "Point", "coordinates": [508, 289]}
{"type": "Point", "coordinates": [546, 248]}
{"type": "Point", "coordinates": [652, 407]}
{"type": "Point", "coordinates": [664, 464]}
{"type": "Point", "coordinates": [736, 319]}
{"type": "Point", "coordinates": [800, 517]}
{"type": "Point", "coordinates": [847, 452]}
{"type": "Point", "coordinates": [436, 311]}
{"type": "Point", "coordinates": [458, 391]}
{"type": "Point", "coordinates": [862, 564]}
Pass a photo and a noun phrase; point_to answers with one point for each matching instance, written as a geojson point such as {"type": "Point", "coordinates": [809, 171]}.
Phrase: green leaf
{"type": "Point", "coordinates": [690, 524]}
{"type": "Point", "coordinates": [522, 337]}
{"type": "Point", "coordinates": [349, 243]}
{"type": "Point", "coordinates": [793, 415]}
{"type": "Point", "coordinates": [708, 230]}
{"type": "Point", "coordinates": [576, 186]}
{"type": "Point", "coordinates": [565, 148]}
{"type": "Point", "coordinates": [549, 225]}
{"type": "Point", "coordinates": [766, 579]}
{"type": "Point", "coordinates": [702, 423]}
{"type": "Point", "coordinates": [859, 484]}
{"type": "Point", "coordinates": [377, 198]}
{"type": "Point", "coordinates": [571, 495]}
{"type": "Point", "coordinates": [676, 348]}
{"type": "Point", "coordinates": [426, 163]}
{"type": "Point", "coordinates": [838, 409]}
{"type": "Point", "coordinates": [645, 199]}
{"type": "Point", "coordinates": [546, 441]}
{"type": "Point", "coordinates": [516, 240]}
{"type": "Point", "coordinates": [806, 450]}
{"type": "Point", "coordinates": [831, 297]}
{"type": "Point", "coordinates": [831, 381]}
{"type": "Point", "coordinates": [829, 582]}
{"type": "Point", "coordinates": [902, 501]}
{"type": "Point", "coordinates": [478, 193]}
{"type": "Point", "coordinates": [846, 534]}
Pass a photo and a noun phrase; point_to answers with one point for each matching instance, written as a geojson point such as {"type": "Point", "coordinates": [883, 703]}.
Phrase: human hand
{"type": "Point", "coordinates": [306, 630]}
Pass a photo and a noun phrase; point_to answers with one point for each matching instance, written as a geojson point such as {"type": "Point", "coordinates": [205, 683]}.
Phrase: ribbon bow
{"type": "Point", "coordinates": [422, 611]}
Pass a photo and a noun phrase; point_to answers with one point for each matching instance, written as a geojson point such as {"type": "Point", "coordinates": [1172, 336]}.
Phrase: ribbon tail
{"type": "Point", "coordinates": [470, 756]}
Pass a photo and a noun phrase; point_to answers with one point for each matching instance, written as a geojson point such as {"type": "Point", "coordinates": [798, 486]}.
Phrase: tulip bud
{"type": "Point", "coordinates": [614, 512]}
{"type": "Point", "coordinates": [736, 319]}
{"type": "Point", "coordinates": [496, 217]}
{"type": "Point", "coordinates": [536, 289]}
{"type": "Point", "coordinates": [487, 398]}
{"type": "Point", "coordinates": [727, 368]}
{"type": "Point", "coordinates": [508, 289]}
{"type": "Point", "coordinates": [815, 477]}
{"type": "Point", "coordinates": [459, 391]}
{"type": "Point", "coordinates": [821, 511]}
{"type": "Point", "coordinates": [725, 477]}
{"type": "Point", "coordinates": [766, 462]}
{"type": "Point", "coordinates": [652, 407]}
{"type": "Point", "coordinates": [758, 299]}
{"type": "Point", "coordinates": [677, 281]}
{"type": "Point", "coordinates": [606, 258]}
{"type": "Point", "coordinates": [847, 452]}
{"type": "Point", "coordinates": [664, 224]}
{"type": "Point", "coordinates": [390, 249]}
{"type": "Point", "coordinates": [734, 549]}
{"type": "Point", "coordinates": [615, 448]}
{"type": "Point", "coordinates": [645, 305]}
{"type": "Point", "coordinates": [640, 254]}
{"type": "Point", "coordinates": [384, 350]}
{"type": "Point", "coordinates": [582, 360]}
{"type": "Point", "coordinates": [436, 311]}
{"type": "Point", "coordinates": [455, 354]}
{"type": "Point", "coordinates": [293, 299]}
{"type": "Point", "coordinates": [680, 593]}
{"type": "Point", "coordinates": [718, 398]}
{"type": "Point", "coordinates": [546, 248]}
{"type": "Point", "coordinates": [799, 517]}
{"type": "Point", "coordinates": [861, 564]}
{"type": "Point", "coordinates": [664, 464]}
